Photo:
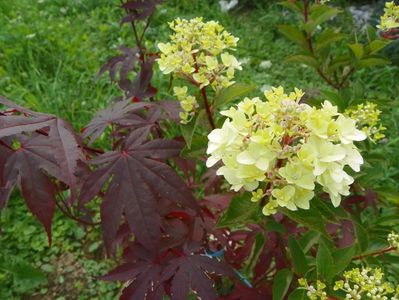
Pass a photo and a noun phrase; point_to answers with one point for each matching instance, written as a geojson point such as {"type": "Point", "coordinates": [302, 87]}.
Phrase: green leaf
{"type": "Point", "coordinates": [298, 294]}
{"type": "Point", "coordinates": [259, 244]}
{"type": "Point", "coordinates": [304, 59]}
{"type": "Point", "coordinates": [337, 62]}
{"type": "Point", "coordinates": [371, 32]}
{"type": "Point", "coordinates": [362, 237]}
{"type": "Point", "coordinates": [23, 271]}
{"type": "Point", "coordinates": [292, 6]}
{"type": "Point", "coordinates": [298, 256]}
{"type": "Point", "coordinates": [310, 218]}
{"type": "Point", "coordinates": [328, 37]}
{"type": "Point", "coordinates": [327, 210]}
{"type": "Point", "coordinates": [198, 148]}
{"type": "Point", "coordinates": [240, 212]}
{"type": "Point", "coordinates": [272, 225]}
{"type": "Point", "coordinates": [378, 45]}
{"type": "Point", "coordinates": [324, 263]}
{"type": "Point", "coordinates": [342, 258]}
{"type": "Point", "coordinates": [294, 34]}
{"type": "Point", "coordinates": [389, 196]}
{"type": "Point", "coordinates": [318, 15]}
{"type": "Point", "coordinates": [281, 284]}
{"type": "Point", "coordinates": [233, 92]}
{"type": "Point", "coordinates": [309, 239]}
{"type": "Point", "coordinates": [373, 62]}
{"type": "Point", "coordinates": [357, 49]}
{"type": "Point", "coordinates": [188, 130]}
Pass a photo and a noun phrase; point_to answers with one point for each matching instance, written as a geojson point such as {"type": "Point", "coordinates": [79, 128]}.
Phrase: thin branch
{"type": "Point", "coordinates": [208, 108]}
{"type": "Point", "coordinates": [346, 76]}
{"type": "Point", "coordinates": [310, 46]}
{"type": "Point", "coordinates": [69, 215]}
{"type": "Point", "coordinates": [376, 253]}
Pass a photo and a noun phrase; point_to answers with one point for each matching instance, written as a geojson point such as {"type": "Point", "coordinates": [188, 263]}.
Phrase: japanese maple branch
{"type": "Point", "coordinates": [376, 253]}
{"type": "Point", "coordinates": [71, 216]}
{"type": "Point", "coordinates": [136, 36]}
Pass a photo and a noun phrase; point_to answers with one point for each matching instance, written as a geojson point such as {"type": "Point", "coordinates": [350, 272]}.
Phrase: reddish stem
{"type": "Point", "coordinates": [376, 253]}
{"type": "Point", "coordinates": [310, 46]}
{"type": "Point", "coordinates": [205, 97]}
{"type": "Point", "coordinates": [208, 108]}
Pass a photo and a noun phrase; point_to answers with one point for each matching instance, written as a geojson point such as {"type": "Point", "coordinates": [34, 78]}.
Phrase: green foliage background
{"type": "Point", "coordinates": [50, 52]}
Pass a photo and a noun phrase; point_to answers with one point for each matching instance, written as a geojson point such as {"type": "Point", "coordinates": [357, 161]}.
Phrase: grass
{"type": "Point", "coordinates": [50, 52]}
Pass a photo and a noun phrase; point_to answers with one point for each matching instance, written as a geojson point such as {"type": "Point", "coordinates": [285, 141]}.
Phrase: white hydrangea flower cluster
{"type": "Point", "coordinates": [284, 148]}
{"type": "Point", "coordinates": [199, 53]}
{"type": "Point", "coordinates": [366, 284]}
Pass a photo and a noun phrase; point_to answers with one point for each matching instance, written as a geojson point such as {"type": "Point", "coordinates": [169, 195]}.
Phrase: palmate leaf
{"type": "Point", "coordinates": [139, 9]}
{"type": "Point", "coordinates": [45, 147]}
{"type": "Point", "coordinates": [137, 181]}
{"type": "Point", "coordinates": [123, 63]}
{"type": "Point", "coordinates": [191, 273]}
{"type": "Point", "coordinates": [149, 274]}
{"type": "Point", "coordinates": [29, 162]}
{"type": "Point", "coordinates": [145, 276]}
{"type": "Point", "coordinates": [121, 113]}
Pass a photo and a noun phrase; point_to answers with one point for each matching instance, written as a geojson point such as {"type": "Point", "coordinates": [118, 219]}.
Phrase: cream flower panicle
{"type": "Point", "coordinates": [199, 52]}
{"type": "Point", "coordinates": [390, 19]}
{"type": "Point", "coordinates": [283, 149]}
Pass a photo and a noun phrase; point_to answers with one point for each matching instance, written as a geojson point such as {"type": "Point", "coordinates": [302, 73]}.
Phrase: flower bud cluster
{"type": "Point", "coordinates": [199, 53]}
{"type": "Point", "coordinates": [367, 117]}
{"type": "Point", "coordinates": [393, 239]}
{"type": "Point", "coordinates": [314, 293]}
{"type": "Point", "coordinates": [366, 284]}
{"type": "Point", "coordinates": [390, 19]}
{"type": "Point", "coordinates": [281, 148]}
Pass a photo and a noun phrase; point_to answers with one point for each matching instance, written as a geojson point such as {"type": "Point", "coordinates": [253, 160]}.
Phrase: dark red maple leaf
{"type": "Point", "coordinates": [120, 113]}
{"type": "Point", "coordinates": [141, 87]}
{"type": "Point", "coordinates": [138, 180]}
{"type": "Point", "coordinates": [45, 147]}
{"type": "Point", "coordinates": [192, 273]}
{"type": "Point", "coordinates": [139, 9]}
{"type": "Point", "coordinates": [149, 274]}
{"type": "Point", "coordinates": [28, 163]}
{"type": "Point", "coordinates": [123, 63]}
{"type": "Point", "coordinates": [243, 292]}
{"type": "Point", "coordinates": [145, 276]}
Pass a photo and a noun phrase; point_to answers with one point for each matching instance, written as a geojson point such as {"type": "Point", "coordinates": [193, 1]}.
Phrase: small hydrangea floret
{"type": "Point", "coordinates": [282, 149]}
{"type": "Point", "coordinates": [313, 293]}
{"type": "Point", "coordinates": [393, 239]}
